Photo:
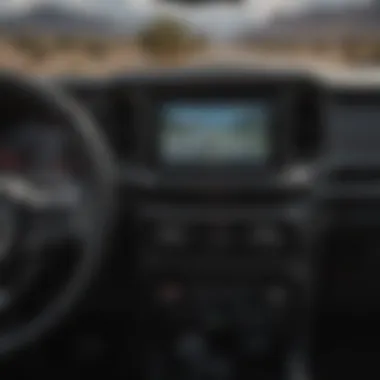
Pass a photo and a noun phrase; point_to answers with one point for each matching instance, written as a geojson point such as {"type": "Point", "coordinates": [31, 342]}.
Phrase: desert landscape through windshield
{"type": "Point", "coordinates": [99, 37]}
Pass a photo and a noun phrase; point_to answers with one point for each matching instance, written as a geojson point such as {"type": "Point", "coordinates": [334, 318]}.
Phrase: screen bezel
{"type": "Point", "coordinates": [223, 93]}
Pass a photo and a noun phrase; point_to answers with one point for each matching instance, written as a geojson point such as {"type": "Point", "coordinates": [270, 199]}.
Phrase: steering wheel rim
{"type": "Point", "coordinates": [89, 263]}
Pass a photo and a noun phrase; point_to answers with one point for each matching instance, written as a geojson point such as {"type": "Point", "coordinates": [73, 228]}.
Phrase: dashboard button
{"type": "Point", "coordinates": [265, 236]}
{"type": "Point", "coordinates": [170, 235]}
{"type": "Point", "coordinates": [220, 236]}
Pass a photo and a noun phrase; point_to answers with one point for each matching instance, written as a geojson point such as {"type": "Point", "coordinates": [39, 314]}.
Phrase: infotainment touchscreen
{"type": "Point", "coordinates": [212, 133]}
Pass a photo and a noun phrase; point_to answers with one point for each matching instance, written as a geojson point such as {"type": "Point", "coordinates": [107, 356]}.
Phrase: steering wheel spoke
{"type": "Point", "coordinates": [5, 299]}
{"type": "Point", "coordinates": [58, 210]}
{"type": "Point", "coordinates": [61, 195]}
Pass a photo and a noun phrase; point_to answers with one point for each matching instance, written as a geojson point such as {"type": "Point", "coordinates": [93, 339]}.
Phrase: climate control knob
{"type": "Point", "coordinates": [199, 361]}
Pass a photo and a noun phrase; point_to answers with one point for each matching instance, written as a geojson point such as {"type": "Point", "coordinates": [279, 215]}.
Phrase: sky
{"type": "Point", "coordinates": [217, 19]}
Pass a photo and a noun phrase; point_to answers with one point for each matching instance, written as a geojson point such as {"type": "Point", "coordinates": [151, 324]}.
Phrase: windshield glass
{"type": "Point", "coordinates": [99, 36]}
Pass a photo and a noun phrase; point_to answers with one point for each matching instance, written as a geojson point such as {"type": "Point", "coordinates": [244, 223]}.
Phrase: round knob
{"type": "Point", "coordinates": [192, 349]}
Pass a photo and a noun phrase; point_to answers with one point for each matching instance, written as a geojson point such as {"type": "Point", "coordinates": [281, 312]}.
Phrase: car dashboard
{"type": "Point", "coordinates": [246, 229]}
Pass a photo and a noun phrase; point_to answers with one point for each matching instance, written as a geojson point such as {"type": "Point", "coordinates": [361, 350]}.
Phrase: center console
{"type": "Point", "coordinates": [227, 229]}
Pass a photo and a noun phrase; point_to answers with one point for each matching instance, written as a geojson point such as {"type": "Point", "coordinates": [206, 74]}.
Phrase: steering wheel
{"type": "Point", "coordinates": [24, 202]}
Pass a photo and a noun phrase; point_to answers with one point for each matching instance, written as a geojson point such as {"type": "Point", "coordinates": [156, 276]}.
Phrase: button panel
{"type": "Point", "coordinates": [234, 238]}
{"type": "Point", "coordinates": [218, 323]}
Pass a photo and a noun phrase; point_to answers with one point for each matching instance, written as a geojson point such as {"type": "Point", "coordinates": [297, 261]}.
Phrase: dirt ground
{"type": "Point", "coordinates": [124, 57]}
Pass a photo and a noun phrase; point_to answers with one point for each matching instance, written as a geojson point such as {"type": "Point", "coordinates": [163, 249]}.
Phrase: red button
{"type": "Point", "coordinates": [9, 160]}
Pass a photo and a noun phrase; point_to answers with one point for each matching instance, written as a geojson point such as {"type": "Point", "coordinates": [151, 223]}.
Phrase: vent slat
{"type": "Point", "coordinates": [356, 175]}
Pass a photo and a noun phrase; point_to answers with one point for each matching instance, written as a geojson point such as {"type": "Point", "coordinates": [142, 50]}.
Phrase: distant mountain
{"type": "Point", "coordinates": [64, 20]}
{"type": "Point", "coordinates": [323, 24]}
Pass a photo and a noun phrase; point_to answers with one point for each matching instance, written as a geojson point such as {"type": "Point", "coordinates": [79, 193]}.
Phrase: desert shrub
{"type": "Point", "coordinates": [169, 37]}
{"type": "Point", "coordinates": [66, 42]}
{"type": "Point", "coordinates": [33, 46]}
{"type": "Point", "coordinates": [22, 42]}
{"type": "Point", "coordinates": [372, 55]}
{"type": "Point", "coordinates": [96, 48]}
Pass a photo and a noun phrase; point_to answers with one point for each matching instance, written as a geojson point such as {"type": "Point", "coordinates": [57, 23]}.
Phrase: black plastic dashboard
{"type": "Point", "coordinates": [325, 133]}
{"type": "Point", "coordinates": [128, 109]}
{"type": "Point", "coordinates": [262, 238]}
{"type": "Point", "coordinates": [313, 121]}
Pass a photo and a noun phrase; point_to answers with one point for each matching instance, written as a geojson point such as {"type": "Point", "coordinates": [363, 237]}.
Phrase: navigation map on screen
{"type": "Point", "coordinates": [216, 133]}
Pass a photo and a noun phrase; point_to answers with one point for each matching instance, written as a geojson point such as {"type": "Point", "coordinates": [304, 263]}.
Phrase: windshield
{"type": "Point", "coordinates": [99, 36]}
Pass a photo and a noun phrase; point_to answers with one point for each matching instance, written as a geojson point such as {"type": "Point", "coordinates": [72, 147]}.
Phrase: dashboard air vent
{"type": "Point", "coordinates": [356, 175]}
{"type": "Point", "coordinates": [308, 131]}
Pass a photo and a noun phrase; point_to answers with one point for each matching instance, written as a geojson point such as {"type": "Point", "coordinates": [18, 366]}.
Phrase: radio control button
{"type": "Point", "coordinates": [221, 236]}
{"type": "Point", "coordinates": [170, 234]}
{"type": "Point", "coordinates": [266, 235]}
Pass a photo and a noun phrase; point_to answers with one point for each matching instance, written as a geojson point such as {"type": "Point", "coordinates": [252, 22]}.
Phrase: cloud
{"type": "Point", "coordinates": [255, 8]}
{"type": "Point", "coordinates": [219, 20]}
{"type": "Point", "coordinates": [224, 20]}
